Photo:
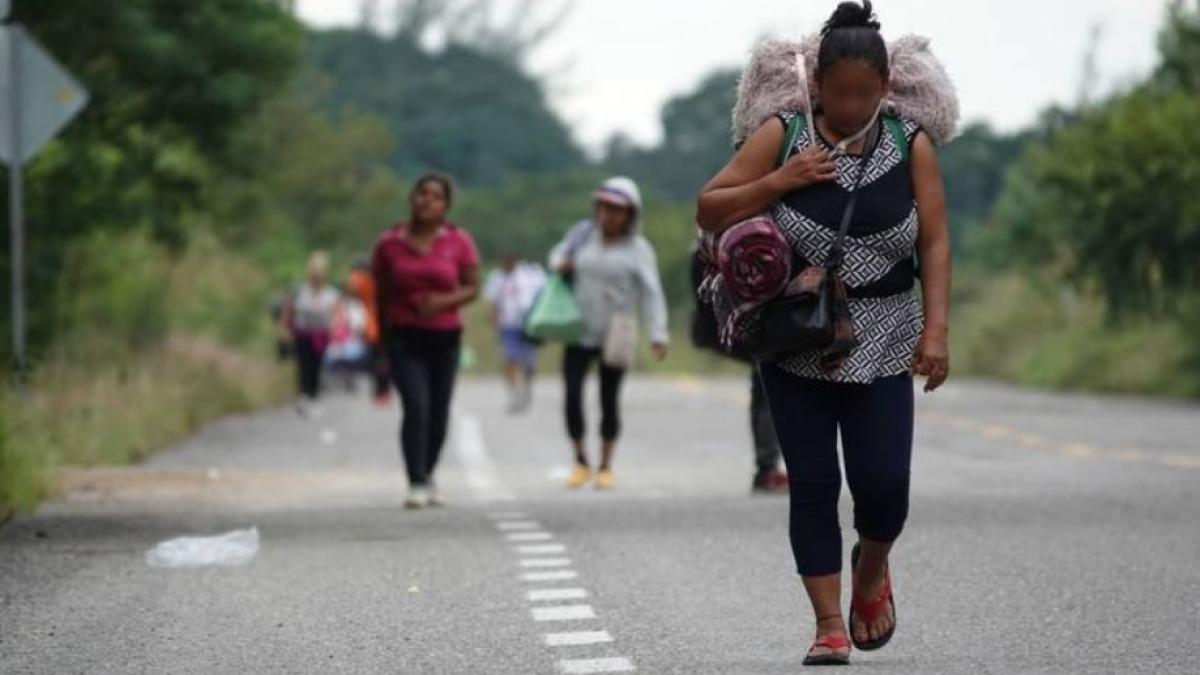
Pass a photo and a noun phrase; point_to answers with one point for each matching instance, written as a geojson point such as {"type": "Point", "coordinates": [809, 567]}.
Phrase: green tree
{"type": "Point", "coordinates": [1179, 48]}
{"type": "Point", "coordinates": [476, 116]}
{"type": "Point", "coordinates": [1111, 201]}
{"type": "Point", "coordinates": [170, 88]}
{"type": "Point", "coordinates": [321, 182]}
{"type": "Point", "coordinates": [974, 166]}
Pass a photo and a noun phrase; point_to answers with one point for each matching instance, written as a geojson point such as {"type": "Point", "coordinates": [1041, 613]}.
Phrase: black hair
{"type": "Point", "coordinates": [442, 179]}
{"type": "Point", "coordinates": [852, 33]}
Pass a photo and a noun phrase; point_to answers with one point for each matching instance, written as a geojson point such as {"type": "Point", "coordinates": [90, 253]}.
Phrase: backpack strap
{"type": "Point", "coordinates": [896, 128]}
{"type": "Point", "coordinates": [791, 132]}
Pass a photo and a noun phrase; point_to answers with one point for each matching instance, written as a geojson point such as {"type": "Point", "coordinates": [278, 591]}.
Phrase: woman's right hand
{"type": "Point", "coordinates": [808, 167]}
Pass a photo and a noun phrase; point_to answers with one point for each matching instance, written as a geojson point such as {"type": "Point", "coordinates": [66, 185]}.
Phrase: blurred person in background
{"type": "Point", "coordinates": [511, 289]}
{"type": "Point", "coordinates": [613, 270]}
{"type": "Point", "coordinates": [425, 270]}
{"type": "Point", "coordinates": [309, 319]}
{"type": "Point", "coordinates": [361, 285]}
{"type": "Point", "coordinates": [347, 355]}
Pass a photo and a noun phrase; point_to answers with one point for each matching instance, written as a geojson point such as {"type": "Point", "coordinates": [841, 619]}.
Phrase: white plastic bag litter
{"type": "Point", "coordinates": [226, 550]}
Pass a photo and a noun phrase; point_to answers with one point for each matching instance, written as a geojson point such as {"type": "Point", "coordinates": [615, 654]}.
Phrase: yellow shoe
{"type": "Point", "coordinates": [605, 480]}
{"type": "Point", "coordinates": [579, 477]}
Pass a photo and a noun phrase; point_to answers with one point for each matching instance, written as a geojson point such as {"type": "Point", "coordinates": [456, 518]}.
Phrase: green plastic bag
{"type": "Point", "coordinates": [555, 316]}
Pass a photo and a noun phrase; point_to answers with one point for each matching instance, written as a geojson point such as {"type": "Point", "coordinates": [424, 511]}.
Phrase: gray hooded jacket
{"type": "Point", "coordinates": [613, 278]}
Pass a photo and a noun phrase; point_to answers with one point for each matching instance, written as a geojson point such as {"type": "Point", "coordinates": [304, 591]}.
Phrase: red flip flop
{"type": "Point", "coordinates": [834, 643]}
{"type": "Point", "coordinates": [870, 610]}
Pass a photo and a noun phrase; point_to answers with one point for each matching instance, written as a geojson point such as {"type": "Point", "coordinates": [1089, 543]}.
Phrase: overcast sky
{"type": "Point", "coordinates": [614, 62]}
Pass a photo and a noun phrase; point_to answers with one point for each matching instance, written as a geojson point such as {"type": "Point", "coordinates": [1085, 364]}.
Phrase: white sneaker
{"type": "Point", "coordinates": [434, 498]}
{"type": "Point", "coordinates": [418, 498]}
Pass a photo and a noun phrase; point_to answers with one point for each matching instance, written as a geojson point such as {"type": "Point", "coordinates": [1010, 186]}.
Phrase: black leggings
{"type": "Point", "coordinates": [377, 362]}
{"type": "Point", "coordinates": [423, 366]}
{"type": "Point", "coordinates": [309, 360]}
{"type": "Point", "coordinates": [576, 361]}
{"type": "Point", "coordinates": [766, 446]}
{"type": "Point", "coordinates": [876, 423]}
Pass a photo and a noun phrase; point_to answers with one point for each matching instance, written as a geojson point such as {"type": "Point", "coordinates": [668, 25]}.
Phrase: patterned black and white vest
{"type": "Point", "coordinates": [879, 253]}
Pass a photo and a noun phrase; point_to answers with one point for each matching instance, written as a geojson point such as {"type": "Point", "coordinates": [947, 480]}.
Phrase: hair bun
{"type": "Point", "coordinates": [852, 15]}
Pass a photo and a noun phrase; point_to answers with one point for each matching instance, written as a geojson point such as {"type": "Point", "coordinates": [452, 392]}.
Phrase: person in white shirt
{"type": "Point", "coordinates": [511, 289]}
{"type": "Point", "coordinates": [309, 320]}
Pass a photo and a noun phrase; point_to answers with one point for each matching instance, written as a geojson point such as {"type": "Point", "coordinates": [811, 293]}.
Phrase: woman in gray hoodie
{"type": "Point", "coordinates": [613, 271]}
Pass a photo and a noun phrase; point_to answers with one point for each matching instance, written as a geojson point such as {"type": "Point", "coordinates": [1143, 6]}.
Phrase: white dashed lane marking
{"type": "Point", "coordinates": [529, 536]}
{"type": "Point", "coordinates": [555, 575]}
{"type": "Point", "coordinates": [545, 562]}
{"type": "Point", "coordinates": [542, 549]}
{"type": "Point", "coordinates": [586, 637]}
{"type": "Point", "coordinates": [481, 475]}
{"type": "Point", "coordinates": [609, 665]}
{"type": "Point", "coordinates": [563, 613]}
{"type": "Point", "coordinates": [542, 561]}
{"type": "Point", "coordinates": [551, 594]}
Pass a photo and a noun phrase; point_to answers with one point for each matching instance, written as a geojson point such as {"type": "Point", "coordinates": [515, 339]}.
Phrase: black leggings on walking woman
{"type": "Point", "coordinates": [309, 354]}
{"type": "Point", "coordinates": [423, 367]}
{"type": "Point", "coordinates": [876, 424]}
{"type": "Point", "coordinates": [576, 361]}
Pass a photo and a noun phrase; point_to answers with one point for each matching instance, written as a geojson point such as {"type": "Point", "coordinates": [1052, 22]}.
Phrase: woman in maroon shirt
{"type": "Point", "coordinates": [425, 270]}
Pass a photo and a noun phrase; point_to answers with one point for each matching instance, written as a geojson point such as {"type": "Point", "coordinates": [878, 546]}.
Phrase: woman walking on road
{"type": "Point", "coordinates": [866, 393]}
{"type": "Point", "coordinates": [511, 289]}
{"type": "Point", "coordinates": [613, 270]}
{"type": "Point", "coordinates": [425, 270]}
{"type": "Point", "coordinates": [308, 320]}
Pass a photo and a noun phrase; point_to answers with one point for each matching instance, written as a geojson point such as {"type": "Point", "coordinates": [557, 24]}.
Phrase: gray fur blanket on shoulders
{"type": "Point", "coordinates": [920, 89]}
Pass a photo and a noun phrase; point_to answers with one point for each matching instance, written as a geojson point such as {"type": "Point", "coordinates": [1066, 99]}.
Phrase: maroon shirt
{"type": "Point", "coordinates": [404, 275]}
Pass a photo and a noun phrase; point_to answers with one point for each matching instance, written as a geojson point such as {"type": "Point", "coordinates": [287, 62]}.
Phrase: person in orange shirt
{"type": "Point", "coordinates": [361, 285]}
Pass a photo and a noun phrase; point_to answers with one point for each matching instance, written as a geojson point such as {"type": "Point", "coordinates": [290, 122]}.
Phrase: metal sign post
{"type": "Point", "coordinates": [38, 97]}
{"type": "Point", "coordinates": [16, 200]}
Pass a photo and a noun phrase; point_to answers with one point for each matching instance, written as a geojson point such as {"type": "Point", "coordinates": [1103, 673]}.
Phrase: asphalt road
{"type": "Point", "coordinates": [1048, 534]}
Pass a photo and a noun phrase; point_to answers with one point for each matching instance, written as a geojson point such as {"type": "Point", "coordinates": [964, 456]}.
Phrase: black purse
{"type": "Point", "coordinates": [803, 317]}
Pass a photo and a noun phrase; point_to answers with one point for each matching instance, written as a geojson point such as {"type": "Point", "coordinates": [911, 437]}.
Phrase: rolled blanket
{"type": "Point", "coordinates": [745, 267]}
{"type": "Point", "coordinates": [755, 260]}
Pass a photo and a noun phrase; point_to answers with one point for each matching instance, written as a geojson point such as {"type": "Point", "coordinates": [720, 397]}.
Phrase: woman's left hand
{"type": "Point", "coordinates": [932, 358]}
{"type": "Point", "coordinates": [660, 350]}
{"type": "Point", "coordinates": [431, 305]}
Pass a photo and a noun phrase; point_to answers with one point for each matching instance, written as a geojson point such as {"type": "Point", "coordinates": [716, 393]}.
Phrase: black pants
{"type": "Point", "coordinates": [576, 361]}
{"type": "Point", "coordinates": [423, 366]}
{"type": "Point", "coordinates": [309, 359]}
{"type": "Point", "coordinates": [766, 446]}
{"type": "Point", "coordinates": [377, 362]}
{"type": "Point", "coordinates": [876, 423]}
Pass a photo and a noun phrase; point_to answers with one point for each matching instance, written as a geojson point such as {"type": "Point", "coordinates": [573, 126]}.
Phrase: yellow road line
{"type": "Point", "coordinates": [1079, 451]}
{"type": "Point", "coordinates": [1074, 450]}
